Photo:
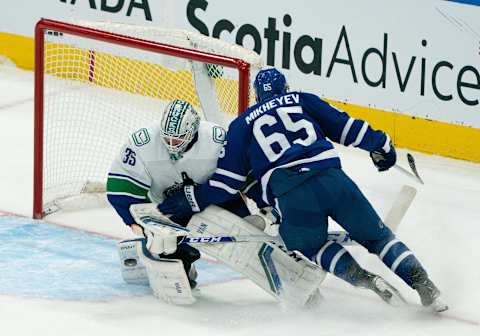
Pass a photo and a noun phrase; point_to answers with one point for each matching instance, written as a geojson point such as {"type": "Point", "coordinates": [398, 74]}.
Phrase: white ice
{"type": "Point", "coordinates": [440, 227]}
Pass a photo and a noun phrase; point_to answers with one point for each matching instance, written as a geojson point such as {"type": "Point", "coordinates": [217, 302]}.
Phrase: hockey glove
{"type": "Point", "coordinates": [181, 203]}
{"type": "Point", "coordinates": [162, 239]}
{"type": "Point", "coordinates": [385, 157]}
{"type": "Point", "coordinates": [162, 234]}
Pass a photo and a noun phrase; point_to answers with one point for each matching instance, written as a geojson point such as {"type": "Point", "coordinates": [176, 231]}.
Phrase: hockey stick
{"type": "Point", "coordinates": [393, 219]}
{"type": "Point", "coordinates": [399, 207]}
{"type": "Point", "coordinates": [413, 173]}
{"type": "Point", "coordinates": [338, 236]}
{"type": "Point", "coordinates": [413, 166]}
{"type": "Point", "coordinates": [395, 215]}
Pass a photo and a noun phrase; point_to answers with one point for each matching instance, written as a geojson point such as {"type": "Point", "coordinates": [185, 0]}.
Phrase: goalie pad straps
{"type": "Point", "coordinates": [290, 278]}
{"type": "Point", "coordinates": [167, 277]}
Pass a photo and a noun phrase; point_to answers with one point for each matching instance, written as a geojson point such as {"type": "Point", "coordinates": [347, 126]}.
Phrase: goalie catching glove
{"type": "Point", "coordinates": [162, 238]}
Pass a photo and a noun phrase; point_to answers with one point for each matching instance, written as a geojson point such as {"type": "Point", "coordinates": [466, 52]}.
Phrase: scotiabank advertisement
{"type": "Point", "coordinates": [418, 58]}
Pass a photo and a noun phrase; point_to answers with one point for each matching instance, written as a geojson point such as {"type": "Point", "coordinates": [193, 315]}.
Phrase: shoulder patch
{"type": "Point", "coordinates": [218, 134]}
{"type": "Point", "coordinates": [141, 137]}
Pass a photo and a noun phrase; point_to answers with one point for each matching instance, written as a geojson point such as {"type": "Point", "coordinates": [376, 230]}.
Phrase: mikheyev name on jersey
{"type": "Point", "coordinates": [288, 99]}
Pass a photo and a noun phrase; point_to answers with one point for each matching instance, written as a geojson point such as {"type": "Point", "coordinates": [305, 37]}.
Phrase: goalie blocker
{"type": "Point", "coordinates": [288, 277]}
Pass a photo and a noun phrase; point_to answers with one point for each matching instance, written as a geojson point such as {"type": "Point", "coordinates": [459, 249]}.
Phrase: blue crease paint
{"type": "Point", "coordinates": [42, 260]}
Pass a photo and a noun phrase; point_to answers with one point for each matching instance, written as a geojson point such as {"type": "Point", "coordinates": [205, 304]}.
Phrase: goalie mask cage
{"type": "Point", "coordinates": [95, 83]}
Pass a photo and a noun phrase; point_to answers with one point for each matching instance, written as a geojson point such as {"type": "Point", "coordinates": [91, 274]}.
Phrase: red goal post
{"type": "Point", "coordinates": [103, 78]}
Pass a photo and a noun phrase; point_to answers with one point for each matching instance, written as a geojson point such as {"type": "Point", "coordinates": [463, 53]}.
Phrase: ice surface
{"type": "Point", "coordinates": [441, 227]}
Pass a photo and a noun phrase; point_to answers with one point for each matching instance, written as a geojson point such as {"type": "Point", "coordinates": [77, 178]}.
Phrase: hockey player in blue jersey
{"type": "Point", "coordinates": [282, 141]}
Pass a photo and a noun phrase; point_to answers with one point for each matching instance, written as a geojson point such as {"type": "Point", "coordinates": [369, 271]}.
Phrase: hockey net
{"type": "Point", "coordinates": [97, 82]}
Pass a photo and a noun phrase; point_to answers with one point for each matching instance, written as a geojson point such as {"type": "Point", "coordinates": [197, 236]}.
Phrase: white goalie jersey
{"type": "Point", "coordinates": [143, 171]}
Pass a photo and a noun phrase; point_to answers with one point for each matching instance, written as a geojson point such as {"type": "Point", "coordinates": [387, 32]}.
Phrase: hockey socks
{"type": "Point", "coordinates": [334, 258]}
{"type": "Point", "coordinates": [396, 256]}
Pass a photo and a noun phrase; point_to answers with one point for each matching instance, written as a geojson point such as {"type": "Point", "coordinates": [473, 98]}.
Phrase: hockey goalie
{"type": "Point", "coordinates": [175, 154]}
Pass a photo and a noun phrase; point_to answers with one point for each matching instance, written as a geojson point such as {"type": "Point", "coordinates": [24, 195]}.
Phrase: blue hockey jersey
{"type": "Point", "coordinates": [289, 131]}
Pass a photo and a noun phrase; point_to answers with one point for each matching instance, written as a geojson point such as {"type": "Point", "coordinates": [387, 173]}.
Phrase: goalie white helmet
{"type": "Point", "coordinates": [178, 127]}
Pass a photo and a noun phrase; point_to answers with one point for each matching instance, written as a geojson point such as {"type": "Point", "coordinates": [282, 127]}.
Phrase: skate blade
{"type": "Point", "coordinates": [389, 294]}
{"type": "Point", "coordinates": [438, 306]}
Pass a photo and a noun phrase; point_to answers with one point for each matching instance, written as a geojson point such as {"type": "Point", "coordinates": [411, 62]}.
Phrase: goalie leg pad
{"type": "Point", "coordinates": [289, 277]}
{"type": "Point", "coordinates": [167, 277]}
{"type": "Point", "coordinates": [133, 270]}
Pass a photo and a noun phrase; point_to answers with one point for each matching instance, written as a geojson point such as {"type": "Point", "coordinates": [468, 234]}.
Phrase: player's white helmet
{"type": "Point", "coordinates": [178, 127]}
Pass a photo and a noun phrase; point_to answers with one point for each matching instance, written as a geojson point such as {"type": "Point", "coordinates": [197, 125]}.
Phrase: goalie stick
{"type": "Point", "coordinates": [395, 215]}
{"type": "Point", "coordinates": [341, 237]}
{"type": "Point", "coordinates": [338, 236]}
{"type": "Point", "coordinates": [413, 173]}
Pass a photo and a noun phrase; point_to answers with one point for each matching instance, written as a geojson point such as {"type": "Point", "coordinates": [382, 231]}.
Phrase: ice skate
{"type": "Point", "coordinates": [429, 293]}
{"type": "Point", "coordinates": [382, 288]}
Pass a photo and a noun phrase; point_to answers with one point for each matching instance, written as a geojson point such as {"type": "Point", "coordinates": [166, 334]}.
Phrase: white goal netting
{"type": "Point", "coordinates": [97, 92]}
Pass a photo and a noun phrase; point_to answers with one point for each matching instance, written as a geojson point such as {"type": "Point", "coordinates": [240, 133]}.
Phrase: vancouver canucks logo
{"type": "Point", "coordinates": [219, 135]}
{"type": "Point", "coordinates": [141, 137]}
